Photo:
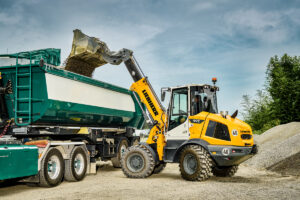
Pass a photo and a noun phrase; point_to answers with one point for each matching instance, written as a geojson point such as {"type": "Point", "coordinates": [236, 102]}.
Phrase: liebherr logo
{"type": "Point", "coordinates": [150, 102]}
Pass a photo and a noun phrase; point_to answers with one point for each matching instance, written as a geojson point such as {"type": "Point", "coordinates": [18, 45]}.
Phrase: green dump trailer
{"type": "Point", "coordinates": [69, 119]}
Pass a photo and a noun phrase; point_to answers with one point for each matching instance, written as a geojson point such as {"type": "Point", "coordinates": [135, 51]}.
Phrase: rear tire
{"type": "Point", "coordinates": [159, 168]}
{"type": "Point", "coordinates": [195, 163]}
{"type": "Point", "coordinates": [76, 166]}
{"type": "Point", "coordinates": [137, 162]}
{"type": "Point", "coordinates": [52, 169]}
{"type": "Point", "coordinates": [225, 171]}
{"type": "Point", "coordinates": [116, 161]}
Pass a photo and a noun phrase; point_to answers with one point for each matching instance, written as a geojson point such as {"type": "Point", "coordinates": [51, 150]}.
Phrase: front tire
{"type": "Point", "coordinates": [195, 163]}
{"type": "Point", "coordinates": [76, 166]}
{"type": "Point", "coordinates": [137, 162]}
{"type": "Point", "coordinates": [116, 161]}
{"type": "Point", "coordinates": [225, 171]}
{"type": "Point", "coordinates": [52, 169]}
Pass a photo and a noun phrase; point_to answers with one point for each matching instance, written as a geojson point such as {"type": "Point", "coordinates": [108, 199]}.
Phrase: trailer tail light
{"type": "Point", "coordinates": [38, 143]}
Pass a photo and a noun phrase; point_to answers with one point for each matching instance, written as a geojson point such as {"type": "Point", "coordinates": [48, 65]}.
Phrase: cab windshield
{"type": "Point", "coordinates": [203, 98]}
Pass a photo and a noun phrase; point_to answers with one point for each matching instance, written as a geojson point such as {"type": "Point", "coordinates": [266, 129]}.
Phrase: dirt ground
{"type": "Point", "coordinates": [110, 183]}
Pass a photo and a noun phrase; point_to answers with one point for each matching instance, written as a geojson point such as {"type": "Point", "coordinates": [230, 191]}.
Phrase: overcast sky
{"type": "Point", "coordinates": [175, 42]}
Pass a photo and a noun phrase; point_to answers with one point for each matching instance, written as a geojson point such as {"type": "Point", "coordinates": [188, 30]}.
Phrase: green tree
{"type": "Point", "coordinates": [258, 112]}
{"type": "Point", "coordinates": [279, 102]}
{"type": "Point", "coordinates": [283, 85]}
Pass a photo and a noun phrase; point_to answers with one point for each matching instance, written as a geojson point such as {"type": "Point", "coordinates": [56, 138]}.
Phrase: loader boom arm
{"type": "Point", "coordinates": [148, 97]}
{"type": "Point", "coordinates": [94, 52]}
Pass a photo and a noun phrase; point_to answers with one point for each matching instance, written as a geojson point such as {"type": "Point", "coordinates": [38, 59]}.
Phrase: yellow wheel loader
{"type": "Point", "coordinates": [190, 132]}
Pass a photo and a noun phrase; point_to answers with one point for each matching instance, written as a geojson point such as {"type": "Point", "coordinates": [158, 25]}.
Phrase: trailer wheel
{"type": "Point", "coordinates": [225, 171]}
{"type": "Point", "coordinates": [76, 166]}
{"type": "Point", "coordinates": [159, 168]}
{"type": "Point", "coordinates": [137, 162]}
{"type": "Point", "coordinates": [195, 163]}
{"type": "Point", "coordinates": [52, 169]}
{"type": "Point", "coordinates": [116, 161]}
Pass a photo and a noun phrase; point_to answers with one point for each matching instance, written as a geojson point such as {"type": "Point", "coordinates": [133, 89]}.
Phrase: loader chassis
{"type": "Point", "coordinates": [190, 132]}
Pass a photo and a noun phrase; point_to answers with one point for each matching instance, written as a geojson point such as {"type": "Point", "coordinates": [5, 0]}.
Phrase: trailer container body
{"type": "Point", "coordinates": [47, 95]}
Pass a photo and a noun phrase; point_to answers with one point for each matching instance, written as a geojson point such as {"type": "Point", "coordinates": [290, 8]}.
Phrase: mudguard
{"type": "Point", "coordinates": [200, 142]}
{"type": "Point", "coordinates": [153, 151]}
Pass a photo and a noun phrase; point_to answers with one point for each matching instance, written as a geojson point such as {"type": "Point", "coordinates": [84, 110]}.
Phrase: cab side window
{"type": "Point", "coordinates": [179, 111]}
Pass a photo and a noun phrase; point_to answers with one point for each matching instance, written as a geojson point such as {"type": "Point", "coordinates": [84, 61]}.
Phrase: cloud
{"type": "Point", "coordinates": [176, 42]}
{"type": "Point", "coordinates": [200, 6]}
{"type": "Point", "coordinates": [263, 26]}
{"type": "Point", "coordinates": [6, 19]}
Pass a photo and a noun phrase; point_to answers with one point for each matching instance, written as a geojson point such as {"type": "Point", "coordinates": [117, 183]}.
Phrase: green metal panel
{"type": "Point", "coordinates": [50, 56]}
{"type": "Point", "coordinates": [18, 161]}
{"type": "Point", "coordinates": [33, 106]}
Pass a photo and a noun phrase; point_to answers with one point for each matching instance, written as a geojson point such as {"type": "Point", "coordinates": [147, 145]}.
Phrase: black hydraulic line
{"type": "Point", "coordinates": [143, 111]}
{"type": "Point", "coordinates": [3, 91]}
{"type": "Point", "coordinates": [137, 74]}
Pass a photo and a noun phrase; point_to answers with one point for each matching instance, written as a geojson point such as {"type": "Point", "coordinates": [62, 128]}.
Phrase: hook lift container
{"type": "Point", "coordinates": [55, 124]}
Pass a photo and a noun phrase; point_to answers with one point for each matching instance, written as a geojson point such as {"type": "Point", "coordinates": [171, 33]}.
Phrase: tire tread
{"type": "Point", "coordinates": [149, 162]}
{"type": "Point", "coordinates": [204, 160]}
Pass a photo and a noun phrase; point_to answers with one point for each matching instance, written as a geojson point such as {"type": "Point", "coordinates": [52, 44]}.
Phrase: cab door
{"type": "Point", "coordinates": [178, 115]}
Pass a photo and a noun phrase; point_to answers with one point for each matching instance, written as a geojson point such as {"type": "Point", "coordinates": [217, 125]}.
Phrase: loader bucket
{"type": "Point", "coordinates": [88, 53]}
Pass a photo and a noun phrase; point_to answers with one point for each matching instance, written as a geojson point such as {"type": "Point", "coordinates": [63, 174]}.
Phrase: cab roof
{"type": "Point", "coordinates": [191, 85]}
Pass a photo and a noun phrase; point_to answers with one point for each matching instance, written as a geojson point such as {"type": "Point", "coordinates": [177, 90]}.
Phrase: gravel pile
{"type": "Point", "coordinates": [279, 149]}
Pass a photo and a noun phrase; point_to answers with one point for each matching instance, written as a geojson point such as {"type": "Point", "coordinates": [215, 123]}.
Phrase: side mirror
{"type": "Point", "coordinates": [163, 95]}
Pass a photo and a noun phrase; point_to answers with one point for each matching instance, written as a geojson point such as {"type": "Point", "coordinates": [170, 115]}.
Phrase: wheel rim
{"type": "Point", "coordinates": [135, 162]}
{"type": "Point", "coordinates": [123, 149]}
{"type": "Point", "coordinates": [54, 167]}
{"type": "Point", "coordinates": [79, 163]}
{"type": "Point", "coordinates": [190, 164]}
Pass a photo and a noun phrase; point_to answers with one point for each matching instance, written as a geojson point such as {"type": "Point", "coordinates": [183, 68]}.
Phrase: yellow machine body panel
{"type": "Point", "coordinates": [236, 128]}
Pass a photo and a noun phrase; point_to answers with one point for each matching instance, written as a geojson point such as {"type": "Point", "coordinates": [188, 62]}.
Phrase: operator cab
{"type": "Point", "coordinates": [189, 100]}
